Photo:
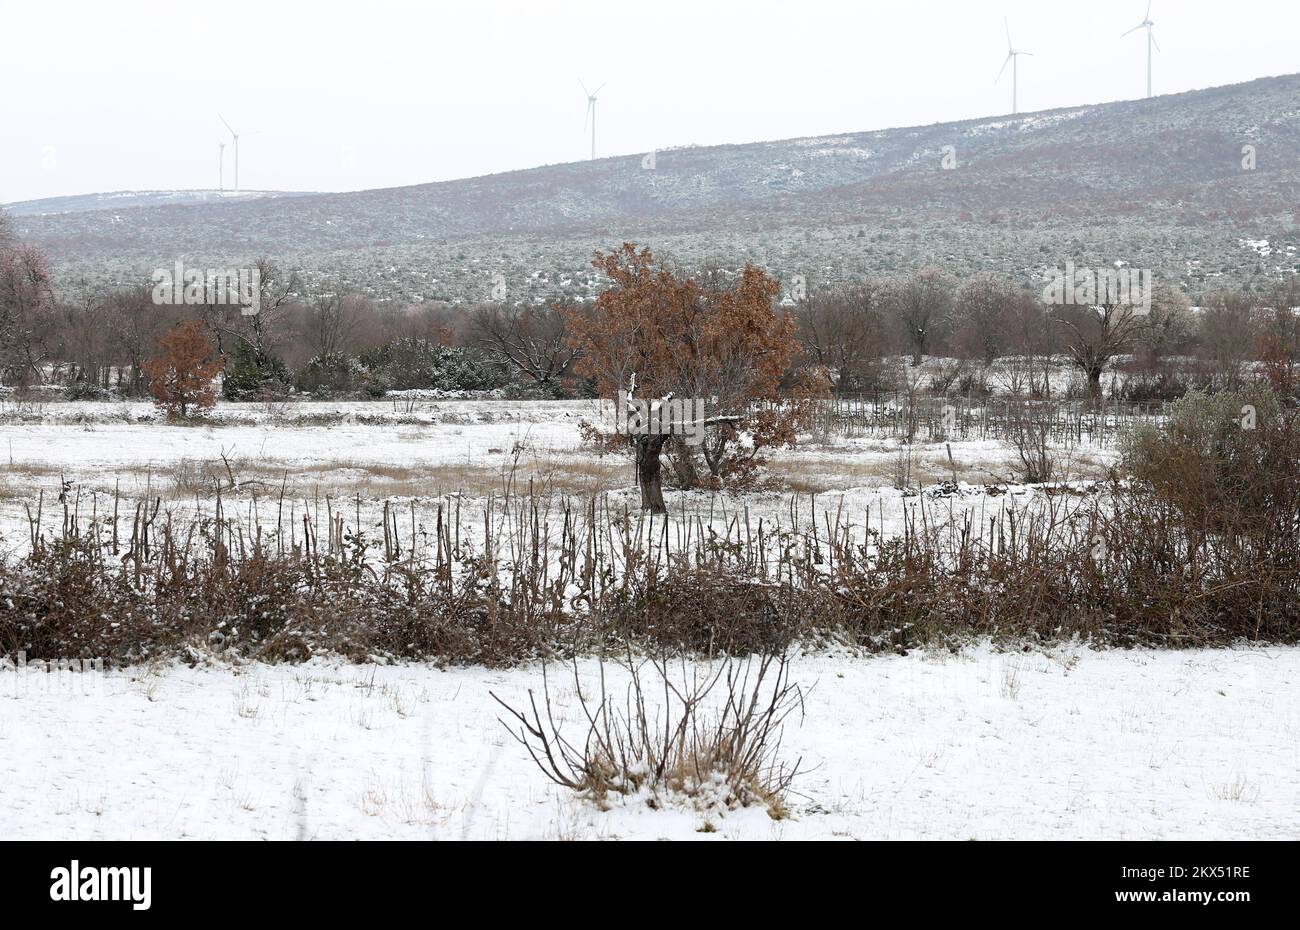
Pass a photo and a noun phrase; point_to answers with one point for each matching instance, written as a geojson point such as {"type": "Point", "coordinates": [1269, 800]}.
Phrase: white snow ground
{"type": "Point", "coordinates": [981, 745]}
{"type": "Point", "coordinates": [389, 452]}
{"type": "Point", "coordinates": [1076, 743]}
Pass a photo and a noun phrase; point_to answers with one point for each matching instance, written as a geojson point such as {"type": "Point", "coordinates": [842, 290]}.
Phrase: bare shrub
{"type": "Point", "coordinates": [723, 751]}
{"type": "Point", "coordinates": [946, 373]}
{"type": "Point", "coordinates": [902, 467]}
{"type": "Point", "coordinates": [193, 477]}
{"type": "Point", "coordinates": [1227, 465]}
{"type": "Point", "coordinates": [1030, 437]}
{"type": "Point", "coordinates": [1012, 374]}
{"type": "Point", "coordinates": [974, 382]}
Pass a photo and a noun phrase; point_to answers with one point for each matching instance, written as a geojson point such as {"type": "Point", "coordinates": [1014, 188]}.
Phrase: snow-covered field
{"type": "Point", "coordinates": [421, 451]}
{"type": "Point", "coordinates": [981, 744]}
{"type": "Point", "coordinates": [978, 745]}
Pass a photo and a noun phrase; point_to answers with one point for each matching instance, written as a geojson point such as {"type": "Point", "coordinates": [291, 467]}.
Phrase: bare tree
{"type": "Point", "coordinates": [332, 320]}
{"type": "Point", "coordinates": [1031, 341]}
{"type": "Point", "coordinates": [84, 341]}
{"type": "Point", "coordinates": [532, 340]}
{"type": "Point", "coordinates": [1095, 335]}
{"type": "Point", "coordinates": [922, 304]}
{"type": "Point", "coordinates": [136, 325]}
{"type": "Point", "coordinates": [26, 306]}
{"type": "Point", "coordinates": [1282, 323]}
{"type": "Point", "coordinates": [1228, 334]}
{"type": "Point", "coordinates": [983, 304]}
{"type": "Point", "coordinates": [1166, 326]}
{"type": "Point", "coordinates": [841, 332]}
{"type": "Point", "coordinates": [261, 332]}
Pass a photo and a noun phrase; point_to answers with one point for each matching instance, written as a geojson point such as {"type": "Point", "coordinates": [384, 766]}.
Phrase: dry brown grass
{"type": "Point", "coordinates": [189, 478]}
{"type": "Point", "coordinates": [816, 476]}
{"type": "Point", "coordinates": [580, 477]}
{"type": "Point", "coordinates": [929, 465]}
{"type": "Point", "coordinates": [23, 482]}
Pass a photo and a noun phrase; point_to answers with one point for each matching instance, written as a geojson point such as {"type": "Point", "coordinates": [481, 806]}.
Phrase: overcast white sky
{"type": "Point", "coordinates": [124, 95]}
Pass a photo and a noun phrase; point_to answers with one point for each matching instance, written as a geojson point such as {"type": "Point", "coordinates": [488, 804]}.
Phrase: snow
{"type": "Point", "coordinates": [1065, 743]}
{"type": "Point", "coordinates": [413, 451]}
{"type": "Point", "coordinates": [849, 151]}
{"type": "Point", "coordinates": [1024, 123]}
{"type": "Point", "coordinates": [982, 744]}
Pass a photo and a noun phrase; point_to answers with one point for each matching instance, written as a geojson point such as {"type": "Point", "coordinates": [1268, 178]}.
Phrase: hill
{"type": "Point", "coordinates": [1157, 183]}
{"type": "Point", "coordinates": [126, 200]}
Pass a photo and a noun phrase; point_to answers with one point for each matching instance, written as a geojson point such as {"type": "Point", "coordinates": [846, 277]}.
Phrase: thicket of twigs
{"type": "Point", "coordinates": [711, 733]}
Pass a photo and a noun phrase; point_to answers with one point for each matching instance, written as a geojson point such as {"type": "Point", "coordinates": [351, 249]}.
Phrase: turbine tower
{"type": "Point", "coordinates": [1012, 54]}
{"type": "Point", "coordinates": [1151, 42]}
{"type": "Point", "coordinates": [591, 114]}
{"type": "Point", "coordinates": [221, 167]}
{"type": "Point", "coordinates": [235, 136]}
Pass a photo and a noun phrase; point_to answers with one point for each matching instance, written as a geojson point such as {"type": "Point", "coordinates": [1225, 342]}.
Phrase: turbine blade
{"type": "Point", "coordinates": [600, 88]}
{"type": "Point", "coordinates": [1154, 42]}
{"type": "Point", "coordinates": [223, 119]}
{"type": "Point", "coordinates": [584, 87]}
{"type": "Point", "coordinates": [1006, 61]}
{"type": "Point", "coordinates": [1134, 29]}
{"type": "Point", "coordinates": [1148, 16]}
{"type": "Point", "coordinates": [1008, 27]}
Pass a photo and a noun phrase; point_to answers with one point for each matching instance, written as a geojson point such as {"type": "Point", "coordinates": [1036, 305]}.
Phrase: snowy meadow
{"type": "Point", "coordinates": [319, 618]}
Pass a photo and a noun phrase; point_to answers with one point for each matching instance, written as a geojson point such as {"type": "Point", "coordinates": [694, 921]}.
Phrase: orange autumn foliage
{"type": "Point", "coordinates": [679, 336]}
{"type": "Point", "coordinates": [727, 345]}
{"type": "Point", "coordinates": [181, 377]}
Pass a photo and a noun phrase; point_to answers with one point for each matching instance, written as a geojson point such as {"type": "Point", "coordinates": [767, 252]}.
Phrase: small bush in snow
{"type": "Point", "coordinates": [713, 738]}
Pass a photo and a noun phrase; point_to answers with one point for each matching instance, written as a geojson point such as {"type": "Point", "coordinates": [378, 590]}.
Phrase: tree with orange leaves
{"type": "Point", "coordinates": [671, 337]}
{"type": "Point", "coordinates": [181, 377]}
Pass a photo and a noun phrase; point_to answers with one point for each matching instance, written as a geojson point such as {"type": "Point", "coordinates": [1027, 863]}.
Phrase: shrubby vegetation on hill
{"type": "Point", "coordinates": [1156, 183]}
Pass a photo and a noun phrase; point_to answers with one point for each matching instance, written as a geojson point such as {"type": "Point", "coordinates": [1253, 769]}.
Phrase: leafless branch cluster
{"type": "Point", "coordinates": [533, 341]}
{"type": "Point", "coordinates": [684, 740]}
{"type": "Point", "coordinates": [1029, 432]}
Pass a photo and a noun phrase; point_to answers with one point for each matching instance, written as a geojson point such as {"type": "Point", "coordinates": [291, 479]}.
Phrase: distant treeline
{"type": "Point", "coordinates": [349, 345]}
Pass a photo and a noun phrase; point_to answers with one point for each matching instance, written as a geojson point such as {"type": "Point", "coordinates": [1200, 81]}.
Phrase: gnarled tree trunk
{"type": "Point", "coordinates": [1094, 384]}
{"type": "Point", "coordinates": [648, 476]}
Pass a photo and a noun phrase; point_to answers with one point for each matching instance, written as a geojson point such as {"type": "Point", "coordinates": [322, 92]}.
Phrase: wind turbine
{"type": "Point", "coordinates": [235, 135]}
{"type": "Point", "coordinates": [1151, 42]}
{"type": "Point", "coordinates": [591, 114]}
{"type": "Point", "coordinates": [1012, 54]}
{"type": "Point", "coordinates": [221, 167]}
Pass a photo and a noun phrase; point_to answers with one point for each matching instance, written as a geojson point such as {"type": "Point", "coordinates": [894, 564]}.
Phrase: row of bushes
{"type": "Point", "coordinates": [405, 364]}
{"type": "Point", "coordinates": [1132, 382]}
{"type": "Point", "coordinates": [1130, 577]}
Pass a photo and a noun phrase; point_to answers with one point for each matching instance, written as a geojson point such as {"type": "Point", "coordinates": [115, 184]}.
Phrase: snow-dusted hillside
{"type": "Point", "coordinates": [1156, 183]}
{"type": "Point", "coordinates": [128, 200]}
